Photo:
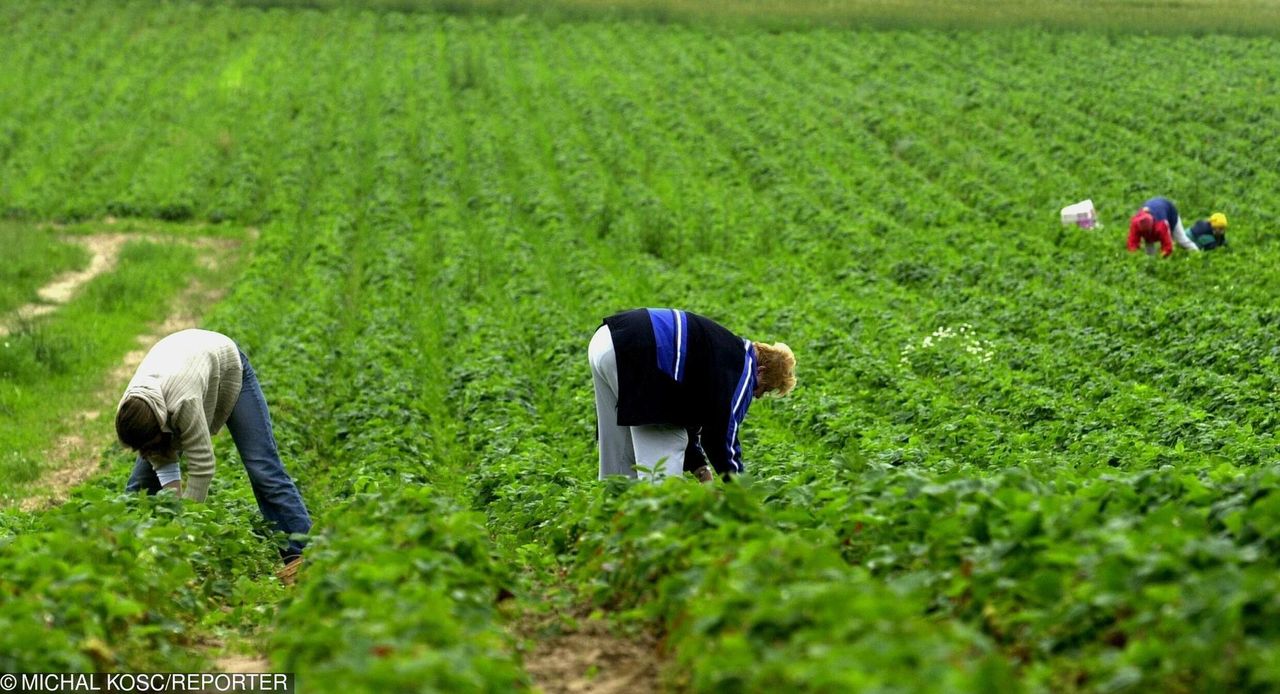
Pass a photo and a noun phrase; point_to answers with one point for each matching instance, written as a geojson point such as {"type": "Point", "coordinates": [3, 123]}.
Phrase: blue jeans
{"type": "Point", "coordinates": [250, 427]}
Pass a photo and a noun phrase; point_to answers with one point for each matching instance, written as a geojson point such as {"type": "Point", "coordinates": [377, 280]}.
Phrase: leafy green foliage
{"type": "Point", "coordinates": [105, 580]}
{"type": "Point", "coordinates": [404, 594]}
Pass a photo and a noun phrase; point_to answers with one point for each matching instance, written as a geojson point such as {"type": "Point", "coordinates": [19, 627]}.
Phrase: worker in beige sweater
{"type": "Point", "coordinates": [187, 388]}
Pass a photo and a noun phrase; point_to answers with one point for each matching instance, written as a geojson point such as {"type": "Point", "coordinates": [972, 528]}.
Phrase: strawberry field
{"type": "Point", "coordinates": [1018, 458]}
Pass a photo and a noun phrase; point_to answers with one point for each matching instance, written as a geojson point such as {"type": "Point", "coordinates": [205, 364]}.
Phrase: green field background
{"type": "Point", "coordinates": [1160, 17]}
{"type": "Point", "coordinates": [1079, 497]}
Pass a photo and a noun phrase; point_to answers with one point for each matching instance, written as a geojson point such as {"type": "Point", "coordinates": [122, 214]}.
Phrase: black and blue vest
{"type": "Point", "coordinates": [679, 368]}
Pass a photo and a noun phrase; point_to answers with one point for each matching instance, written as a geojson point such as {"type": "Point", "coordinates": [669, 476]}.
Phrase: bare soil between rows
{"type": "Point", "coordinates": [594, 660]}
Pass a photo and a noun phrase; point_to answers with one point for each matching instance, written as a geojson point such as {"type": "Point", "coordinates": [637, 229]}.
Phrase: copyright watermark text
{"type": "Point", "coordinates": [169, 682]}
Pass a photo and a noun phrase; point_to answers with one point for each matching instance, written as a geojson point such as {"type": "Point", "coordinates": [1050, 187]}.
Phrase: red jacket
{"type": "Point", "coordinates": [1159, 232]}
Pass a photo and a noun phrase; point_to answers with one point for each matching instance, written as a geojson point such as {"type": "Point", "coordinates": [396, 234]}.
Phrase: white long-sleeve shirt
{"type": "Point", "coordinates": [191, 379]}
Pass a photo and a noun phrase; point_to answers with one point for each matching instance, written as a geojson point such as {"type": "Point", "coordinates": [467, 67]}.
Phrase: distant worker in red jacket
{"type": "Point", "coordinates": [672, 389]}
{"type": "Point", "coordinates": [1158, 222]}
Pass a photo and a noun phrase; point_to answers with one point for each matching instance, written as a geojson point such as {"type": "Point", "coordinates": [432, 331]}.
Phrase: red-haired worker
{"type": "Point", "coordinates": [1158, 222]}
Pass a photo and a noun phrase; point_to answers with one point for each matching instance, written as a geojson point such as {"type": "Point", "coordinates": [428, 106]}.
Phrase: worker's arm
{"type": "Point", "coordinates": [196, 446]}
{"type": "Point", "coordinates": [1133, 237]}
{"type": "Point", "coordinates": [695, 460]}
{"type": "Point", "coordinates": [170, 476]}
{"type": "Point", "coordinates": [722, 448]}
{"type": "Point", "coordinates": [1166, 241]}
{"type": "Point", "coordinates": [1180, 236]}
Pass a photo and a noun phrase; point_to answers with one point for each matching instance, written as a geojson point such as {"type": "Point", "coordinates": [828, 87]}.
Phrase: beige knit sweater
{"type": "Point", "coordinates": [191, 379]}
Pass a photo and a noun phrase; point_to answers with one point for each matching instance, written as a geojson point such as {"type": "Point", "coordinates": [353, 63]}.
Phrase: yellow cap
{"type": "Point", "coordinates": [1217, 220]}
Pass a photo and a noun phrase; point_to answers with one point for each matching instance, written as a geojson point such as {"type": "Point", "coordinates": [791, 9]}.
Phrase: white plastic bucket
{"type": "Point", "coordinates": [1080, 214]}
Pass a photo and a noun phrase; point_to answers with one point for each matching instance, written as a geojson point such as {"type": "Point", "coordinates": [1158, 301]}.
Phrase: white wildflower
{"type": "Point", "coordinates": [964, 337]}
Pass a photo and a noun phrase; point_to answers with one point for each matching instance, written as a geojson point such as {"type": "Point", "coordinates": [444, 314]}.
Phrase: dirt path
{"type": "Point", "coordinates": [595, 660]}
{"type": "Point", "coordinates": [235, 662]}
{"type": "Point", "coordinates": [232, 663]}
{"type": "Point", "coordinates": [242, 663]}
{"type": "Point", "coordinates": [104, 250]}
{"type": "Point", "coordinates": [75, 457]}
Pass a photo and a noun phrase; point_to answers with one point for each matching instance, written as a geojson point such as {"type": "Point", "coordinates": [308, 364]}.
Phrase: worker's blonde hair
{"type": "Point", "coordinates": [777, 367]}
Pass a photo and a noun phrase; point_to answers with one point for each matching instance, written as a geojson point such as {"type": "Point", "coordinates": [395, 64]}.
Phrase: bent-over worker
{"type": "Point", "coordinates": [672, 389]}
{"type": "Point", "coordinates": [1158, 217]}
{"type": "Point", "coordinates": [188, 386]}
{"type": "Point", "coordinates": [1210, 233]}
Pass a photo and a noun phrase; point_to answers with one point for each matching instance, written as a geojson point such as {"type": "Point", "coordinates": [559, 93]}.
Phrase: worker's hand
{"type": "Point", "coordinates": [705, 474]}
{"type": "Point", "coordinates": [175, 485]}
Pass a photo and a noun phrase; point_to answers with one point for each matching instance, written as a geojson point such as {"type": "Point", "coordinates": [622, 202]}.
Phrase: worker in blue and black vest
{"type": "Point", "coordinates": [672, 389]}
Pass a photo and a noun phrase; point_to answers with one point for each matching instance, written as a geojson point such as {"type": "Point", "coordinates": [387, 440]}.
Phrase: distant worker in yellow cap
{"type": "Point", "coordinates": [1211, 233]}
